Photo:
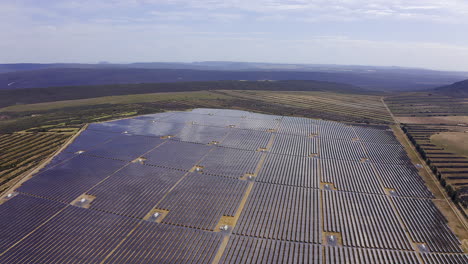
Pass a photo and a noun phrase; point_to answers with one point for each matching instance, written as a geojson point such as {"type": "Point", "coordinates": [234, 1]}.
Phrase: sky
{"type": "Point", "coordinates": [425, 33]}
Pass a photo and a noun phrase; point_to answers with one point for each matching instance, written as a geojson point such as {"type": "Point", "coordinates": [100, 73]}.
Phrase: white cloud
{"type": "Point", "coordinates": [434, 10]}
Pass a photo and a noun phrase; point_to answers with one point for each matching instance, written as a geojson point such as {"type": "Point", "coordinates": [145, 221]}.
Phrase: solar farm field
{"type": "Point", "coordinates": [228, 186]}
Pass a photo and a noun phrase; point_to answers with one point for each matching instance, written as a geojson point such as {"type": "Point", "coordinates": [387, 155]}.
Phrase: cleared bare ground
{"type": "Point", "coordinates": [455, 142]}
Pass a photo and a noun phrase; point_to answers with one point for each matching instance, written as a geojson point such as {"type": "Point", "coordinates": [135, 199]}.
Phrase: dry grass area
{"type": "Point", "coordinates": [448, 120]}
{"type": "Point", "coordinates": [454, 142]}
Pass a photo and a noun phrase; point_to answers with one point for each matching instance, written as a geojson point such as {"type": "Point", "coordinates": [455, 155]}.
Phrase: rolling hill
{"type": "Point", "coordinates": [53, 75]}
{"type": "Point", "coordinates": [458, 89]}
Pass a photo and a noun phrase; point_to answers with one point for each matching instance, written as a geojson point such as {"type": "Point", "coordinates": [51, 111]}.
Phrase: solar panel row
{"type": "Point", "coordinates": [21, 215]}
{"type": "Point", "coordinates": [341, 150]}
{"type": "Point", "coordinates": [227, 162]}
{"type": "Point", "coordinates": [134, 190]}
{"type": "Point", "coordinates": [282, 213]}
{"type": "Point", "coordinates": [349, 255]}
{"type": "Point", "coordinates": [290, 170]}
{"type": "Point", "coordinates": [444, 258]}
{"type": "Point", "coordinates": [405, 180]}
{"type": "Point", "coordinates": [200, 200]}
{"type": "Point", "coordinates": [68, 180]}
{"type": "Point", "coordinates": [294, 145]}
{"type": "Point", "coordinates": [363, 220]}
{"type": "Point", "coordinates": [351, 176]}
{"type": "Point", "coordinates": [76, 235]}
{"type": "Point", "coordinates": [427, 225]}
{"type": "Point", "coordinates": [177, 155]}
{"type": "Point", "coordinates": [160, 243]}
{"type": "Point", "coordinates": [243, 249]}
{"type": "Point", "coordinates": [382, 136]}
{"type": "Point", "coordinates": [246, 139]}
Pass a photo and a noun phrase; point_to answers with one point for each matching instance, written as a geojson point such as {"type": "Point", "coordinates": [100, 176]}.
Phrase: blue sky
{"type": "Point", "coordinates": [425, 33]}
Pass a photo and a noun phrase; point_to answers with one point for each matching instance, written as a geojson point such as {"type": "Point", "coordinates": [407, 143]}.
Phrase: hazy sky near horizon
{"type": "Point", "coordinates": [424, 33]}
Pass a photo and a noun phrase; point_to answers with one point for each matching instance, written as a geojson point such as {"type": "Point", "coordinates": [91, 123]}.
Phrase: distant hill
{"type": "Point", "coordinates": [458, 89]}
{"type": "Point", "coordinates": [54, 75]}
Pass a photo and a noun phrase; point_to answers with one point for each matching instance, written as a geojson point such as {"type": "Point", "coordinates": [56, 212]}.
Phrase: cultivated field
{"type": "Point", "coordinates": [333, 106]}
{"type": "Point", "coordinates": [21, 152]}
{"type": "Point", "coordinates": [426, 105]}
{"type": "Point", "coordinates": [229, 186]}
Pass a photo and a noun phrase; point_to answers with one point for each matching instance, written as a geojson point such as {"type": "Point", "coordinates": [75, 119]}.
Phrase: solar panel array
{"type": "Point", "coordinates": [157, 188]}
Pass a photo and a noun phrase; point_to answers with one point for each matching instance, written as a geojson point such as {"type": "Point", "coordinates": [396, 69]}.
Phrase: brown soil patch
{"type": "Point", "coordinates": [454, 142]}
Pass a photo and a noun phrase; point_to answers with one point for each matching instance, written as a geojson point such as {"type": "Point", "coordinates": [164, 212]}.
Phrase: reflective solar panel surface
{"type": "Point", "coordinates": [227, 186]}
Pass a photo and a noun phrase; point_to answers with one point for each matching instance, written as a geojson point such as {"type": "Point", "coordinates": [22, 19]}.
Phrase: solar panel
{"type": "Point", "coordinates": [21, 215]}
{"type": "Point", "coordinates": [363, 220]}
{"type": "Point", "coordinates": [335, 130]}
{"type": "Point", "coordinates": [282, 213]}
{"type": "Point", "coordinates": [294, 145]}
{"type": "Point", "coordinates": [88, 140]}
{"type": "Point", "coordinates": [427, 225]}
{"type": "Point", "coordinates": [200, 200]}
{"type": "Point", "coordinates": [382, 136]}
{"type": "Point", "coordinates": [352, 176]}
{"type": "Point", "coordinates": [202, 134]}
{"type": "Point", "coordinates": [126, 147]}
{"type": "Point", "coordinates": [246, 139]}
{"type": "Point", "coordinates": [298, 126]}
{"type": "Point", "coordinates": [241, 249]}
{"type": "Point", "coordinates": [178, 155]}
{"type": "Point", "coordinates": [134, 190]}
{"type": "Point", "coordinates": [386, 153]}
{"type": "Point", "coordinates": [342, 150]}
{"type": "Point", "coordinates": [58, 159]}
{"type": "Point", "coordinates": [68, 180]}
{"type": "Point", "coordinates": [350, 255]}
{"type": "Point", "coordinates": [437, 258]}
{"type": "Point", "coordinates": [160, 243]}
{"type": "Point", "coordinates": [290, 170]}
{"type": "Point", "coordinates": [74, 235]}
{"type": "Point", "coordinates": [404, 179]}
{"type": "Point", "coordinates": [228, 162]}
